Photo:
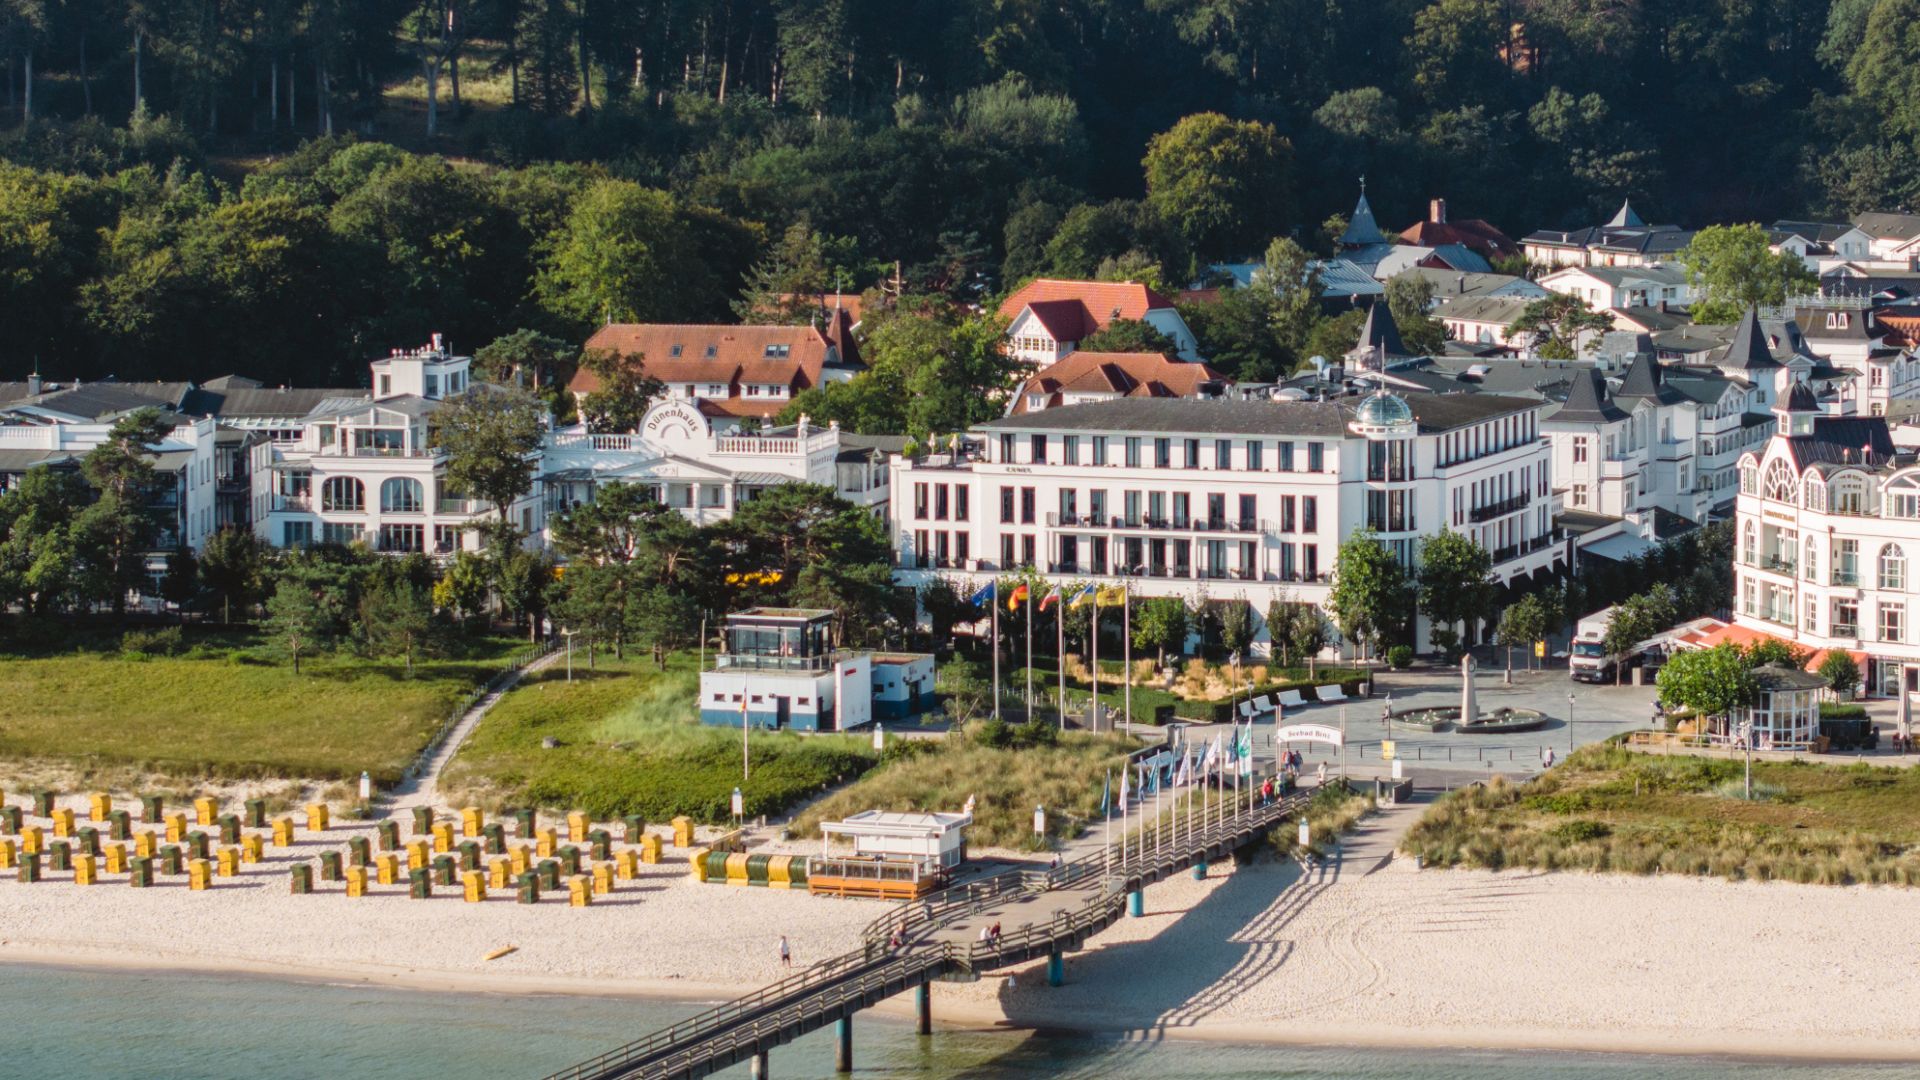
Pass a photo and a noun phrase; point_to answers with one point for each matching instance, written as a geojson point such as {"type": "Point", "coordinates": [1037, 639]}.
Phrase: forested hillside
{"type": "Point", "coordinates": [555, 163]}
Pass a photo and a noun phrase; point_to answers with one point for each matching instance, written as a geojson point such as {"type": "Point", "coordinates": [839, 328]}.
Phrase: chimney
{"type": "Point", "coordinates": [1437, 211]}
{"type": "Point", "coordinates": [33, 383]}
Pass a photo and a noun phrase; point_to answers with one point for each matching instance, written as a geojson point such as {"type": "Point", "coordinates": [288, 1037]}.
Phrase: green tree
{"type": "Point", "coordinates": [1296, 629]}
{"type": "Point", "coordinates": [1455, 50]}
{"type": "Point", "coordinates": [463, 586]}
{"type": "Point", "coordinates": [526, 358]}
{"type": "Point", "coordinates": [1410, 299]}
{"type": "Point", "coordinates": [396, 618]}
{"type": "Point", "coordinates": [38, 559]}
{"type": "Point", "coordinates": [1236, 626]}
{"type": "Point", "coordinates": [626, 392]}
{"type": "Point", "coordinates": [1885, 67]}
{"type": "Point", "coordinates": [628, 253]}
{"type": "Point", "coordinates": [1456, 585]}
{"type": "Point", "coordinates": [491, 437]}
{"type": "Point", "coordinates": [233, 566]}
{"type": "Point", "coordinates": [1732, 268]}
{"type": "Point", "coordinates": [180, 583]}
{"type": "Point", "coordinates": [1840, 671]}
{"type": "Point", "coordinates": [1773, 650]}
{"type": "Point", "coordinates": [1372, 599]}
{"type": "Point", "coordinates": [309, 600]}
{"type": "Point", "coordinates": [1160, 624]}
{"type": "Point", "coordinates": [1711, 682]}
{"type": "Point", "coordinates": [1557, 323]}
{"type": "Point", "coordinates": [1128, 335]}
{"type": "Point", "coordinates": [1524, 622]}
{"type": "Point", "coordinates": [118, 523]}
{"type": "Point", "coordinates": [1226, 185]}
{"type": "Point", "coordinates": [946, 606]}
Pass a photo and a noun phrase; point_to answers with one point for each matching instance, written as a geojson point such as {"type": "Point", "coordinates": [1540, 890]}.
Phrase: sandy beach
{"type": "Point", "coordinates": [1365, 950]}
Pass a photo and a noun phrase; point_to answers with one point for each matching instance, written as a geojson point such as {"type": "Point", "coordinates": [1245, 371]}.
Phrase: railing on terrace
{"type": "Point", "coordinates": [769, 662]}
{"type": "Point", "coordinates": [1057, 520]}
{"type": "Point", "coordinates": [1497, 509]}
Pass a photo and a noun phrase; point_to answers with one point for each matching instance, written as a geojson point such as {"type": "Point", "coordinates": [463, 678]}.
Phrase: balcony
{"type": "Point", "coordinates": [775, 662]}
{"type": "Point", "coordinates": [1846, 578]}
{"type": "Point", "coordinates": [1777, 564]}
{"type": "Point", "coordinates": [292, 503]}
{"type": "Point", "coordinates": [1161, 524]}
{"type": "Point", "coordinates": [1499, 509]}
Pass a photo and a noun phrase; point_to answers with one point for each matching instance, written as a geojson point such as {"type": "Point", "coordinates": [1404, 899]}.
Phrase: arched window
{"type": "Point", "coordinates": [1749, 480]}
{"type": "Point", "coordinates": [1893, 568]}
{"type": "Point", "coordinates": [402, 495]}
{"type": "Point", "coordinates": [343, 493]}
{"type": "Point", "coordinates": [1780, 486]}
{"type": "Point", "coordinates": [1750, 544]}
{"type": "Point", "coordinates": [1849, 494]}
{"type": "Point", "coordinates": [1813, 494]}
{"type": "Point", "coordinates": [1810, 558]}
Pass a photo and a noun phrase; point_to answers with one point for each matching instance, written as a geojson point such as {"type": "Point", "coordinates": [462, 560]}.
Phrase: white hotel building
{"type": "Point", "coordinates": [1828, 542]}
{"type": "Point", "coordinates": [1229, 499]}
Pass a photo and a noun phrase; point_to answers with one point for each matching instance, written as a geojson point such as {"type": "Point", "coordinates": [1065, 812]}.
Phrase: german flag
{"type": "Point", "coordinates": [1015, 598]}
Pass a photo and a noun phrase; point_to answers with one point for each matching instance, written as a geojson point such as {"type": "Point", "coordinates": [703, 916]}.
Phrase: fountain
{"type": "Point", "coordinates": [1466, 719]}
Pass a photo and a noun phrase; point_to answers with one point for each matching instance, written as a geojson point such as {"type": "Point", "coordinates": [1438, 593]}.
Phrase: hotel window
{"type": "Point", "coordinates": [1069, 506]}
{"type": "Point", "coordinates": [1099, 449]}
{"type": "Point", "coordinates": [1026, 506]}
{"type": "Point", "coordinates": [1133, 451]}
{"type": "Point", "coordinates": [296, 534]}
{"type": "Point", "coordinates": [941, 549]}
{"type": "Point", "coordinates": [960, 543]}
{"type": "Point", "coordinates": [1037, 449]}
{"type": "Point", "coordinates": [1070, 449]}
{"type": "Point", "coordinates": [1316, 457]}
{"type": "Point", "coordinates": [1097, 506]}
{"type": "Point", "coordinates": [1310, 561]}
{"type": "Point", "coordinates": [1193, 454]}
{"type": "Point", "coordinates": [402, 537]}
{"type": "Point", "coordinates": [1286, 456]}
{"type": "Point", "coordinates": [940, 502]}
{"type": "Point", "coordinates": [1162, 453]}
{"type": "Point", "coordinates": [961, 496]}
{"type": "Point", "coordinates": [920, 502]}
{"type": "Point", "coordinates": [1579, 494]}
{"type": "Point", "coordinates": [1309, 513]}
{"type": "Point", "coordinates": [1846, 562]}
{"type": "Point", "coordinates": [1286, 513]}
{"type": "Point", "coordinates": [1893, 569]}
{"type": "Point", "coordinates": [1812, 624]}
{"type": "Point", "coordinates": [1006, 506]}
{"type": "Point", "coordinates": [1892, 622]}
{"type": "Point", "coordinates": [1026, 551]}
{"type": "Point", "coordinates": [1249, 520]}
{"type": "Point", "coordinates": [1006, 449]}
{"type": "Point", "coordinates": [1255, 453]}
{"type": "Point", "coordinates": [1006, 551]}
{"type": "Point", "coordinates": [1846, 618]}
{"type": "Point", "coordinates": [920, 552]}
{"type": "Point", "coordinates": [1222, 454]}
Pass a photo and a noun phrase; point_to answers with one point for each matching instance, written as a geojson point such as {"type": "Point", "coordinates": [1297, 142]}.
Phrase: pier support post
{"type": "Point", "coordinates": [1200, 870]}
{"type": "Point", "coordinates": [1056, 968]}
{"type": "Point", "coordinates": [843, 1045]}
{"type": "Point", "coordinates": [1137, 903]}
{"type": "Point", "coordinates": [923, 1008]}
{"type": "Point", "coordinates": [760, 1066]}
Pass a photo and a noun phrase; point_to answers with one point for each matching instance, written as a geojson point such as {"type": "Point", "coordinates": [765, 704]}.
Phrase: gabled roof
{"type": "Point", "coordinates": [1882, 226]}
{"type": "Point", "coordinates": [1098, 302]}
{"type": "Point", "coordinates": [1587, 402]}
{"type": "Point", "coordinates": [1467, 284]}
{"type": "Point", "coordinates": [1120, 375]}
{"type": "Point", "coordinates": [1489, 309]}
{"type": "Point", "coordinates": [1749, 350]}
{"type": "Point", "coordinates": [791, 356]}
{"type": "Point", "coordinates": [1645, 380]}
{"type": "Point", "coordinates": [1362, 230]}
{"type": "Point", "coordinates": [1471, 233]}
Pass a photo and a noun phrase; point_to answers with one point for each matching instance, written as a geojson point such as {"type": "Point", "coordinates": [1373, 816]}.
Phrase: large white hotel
{"type": "Point", "coordinates": [1828, 542]}
{"type": "Point", "coordinates": [1229, 499]}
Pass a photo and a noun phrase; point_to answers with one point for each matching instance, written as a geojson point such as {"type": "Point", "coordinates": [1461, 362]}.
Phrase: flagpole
{"type": "Point", "coordinates": [993, 602]}
{"type": "Point", "coordinates": [1126, 646]}
{"type": "Point", "coordinates": [1093, 707]}
{"type": "Point", "coordinates": [1029, 606]}
{"type": "Point", "coordinates": [1060, 655]}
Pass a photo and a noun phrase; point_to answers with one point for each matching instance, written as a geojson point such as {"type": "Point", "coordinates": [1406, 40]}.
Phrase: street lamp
{"type": "Point", "coordinates": [1569, 723]}
{"type": "Point", "coordinates": [569, 636]}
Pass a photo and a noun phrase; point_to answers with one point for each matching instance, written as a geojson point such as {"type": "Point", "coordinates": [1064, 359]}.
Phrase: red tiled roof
{"type": "Point", "coordinates": [739, 354]}
{"type": "Point", "coordinates": [1470, 233]}
{"type": "Point", "coordinates": [1122, 374]}
{"type": "Point", "coordinates": [851, 303]}
{"type": "Point", "coordinates": [1745, 638]}
{"type": "Point", "coordinates": [1093, 304]}
{"type": "Point", "coordinates": [764, 408]}
{"type": "Point", "coordinates": [1200, 296]}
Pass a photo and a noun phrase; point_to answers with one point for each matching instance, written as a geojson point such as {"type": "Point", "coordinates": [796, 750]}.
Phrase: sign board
{"type": "Point", "coordinates": [1386, 750]}
{"type": "Point", "coordinates": [1399, 769]}
{"type": "Point", "coordinates": [1303, 834]}
{"type": "Point", "coordinates": [1319, 733]}
{"type": "Point", "coordinates": [1540, 649]}
{"type": "Point", "coordinates": [739, 807]}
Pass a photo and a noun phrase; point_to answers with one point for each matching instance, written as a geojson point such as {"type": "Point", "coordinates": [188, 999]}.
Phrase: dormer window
{"type": "Point", "coordinates": [778, 352]}
{"type": "Point", "coordinates": [674, 351]}
{"type": "Point", "coordinates": [386, 386]}
{"type": "Point", "coordinates": [1836, 320]}
{"type": "Point", "coordinates": [713, 351]}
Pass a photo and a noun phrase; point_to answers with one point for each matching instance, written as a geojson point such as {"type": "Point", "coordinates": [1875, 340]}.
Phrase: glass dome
{"type": "Point", "coordinates": [1383, 410]}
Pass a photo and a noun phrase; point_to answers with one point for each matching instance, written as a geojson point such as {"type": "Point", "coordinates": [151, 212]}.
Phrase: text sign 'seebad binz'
{"type": "Point", "coordinates": [1308, 733]}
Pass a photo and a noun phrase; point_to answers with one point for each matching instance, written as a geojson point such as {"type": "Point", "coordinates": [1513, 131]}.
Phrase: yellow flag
{"type": "Point", "coordinates": [1111, 596]}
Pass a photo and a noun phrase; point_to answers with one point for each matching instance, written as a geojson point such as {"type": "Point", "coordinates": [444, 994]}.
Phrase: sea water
{"type": "Point", "coordinates": [58, 1022]}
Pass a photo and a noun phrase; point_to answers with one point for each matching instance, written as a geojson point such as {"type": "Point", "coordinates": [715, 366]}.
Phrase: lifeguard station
{"type": "Point", "coordinates": [778, 669]}
{"type": "Point", "coordinates": [894, 857]}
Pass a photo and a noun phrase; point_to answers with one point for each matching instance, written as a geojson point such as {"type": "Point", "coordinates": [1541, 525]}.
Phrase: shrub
{"type": "Point", "coordinates": [1400, 657]}
{"type": "Point", "coordinates": [1580, 829]}
{"type": "Point", "coordinates": [1849, 711]}
{"type": "Point", "coordinates": [165, 641]}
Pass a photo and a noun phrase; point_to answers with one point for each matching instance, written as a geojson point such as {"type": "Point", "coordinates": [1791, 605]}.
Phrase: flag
{"type": "Point", "coordinates": [1018, 595]}
{"type": "Point", "coordinates": [1111, 596]}
{"type": "Point", "coordinates": [1106, 794]}
{"type": "Point", "coordinates": [1080, 597]}
{"type": "Point", "coordinates": [984, 596]}
{"type": "Point", "coordinates": [1052, 598]}
{"type": "Point", "coordinates": [1123, 790]}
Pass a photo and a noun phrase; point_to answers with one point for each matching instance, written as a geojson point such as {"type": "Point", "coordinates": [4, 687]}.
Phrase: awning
{"type": "Point", "coordinates": [1745, 637]}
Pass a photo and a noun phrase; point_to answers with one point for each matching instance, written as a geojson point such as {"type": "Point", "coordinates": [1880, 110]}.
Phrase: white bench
{"type": "Point", "coordinates": [1330, 692]}
{"type": "Point", "coordinates": [1246, 710]}
{"type": "Point", "coordinates": [1264, 703]}
{"type": "Point", "coordinates": [1291, 699]}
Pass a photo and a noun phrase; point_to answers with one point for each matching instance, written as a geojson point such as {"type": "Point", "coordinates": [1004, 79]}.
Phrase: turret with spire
{"type": "Point", "coordinates": [1362, 230]}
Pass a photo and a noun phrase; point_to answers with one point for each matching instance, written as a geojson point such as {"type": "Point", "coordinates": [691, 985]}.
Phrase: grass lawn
{"type": "Point", "coordinates": [226, 712]}
{"type": "Point", "coordinates": [1609, 809]}
{"type": "Point", "coordinates": [629, 741]}
{"type": "Point", "coordinates": [1067, 778]}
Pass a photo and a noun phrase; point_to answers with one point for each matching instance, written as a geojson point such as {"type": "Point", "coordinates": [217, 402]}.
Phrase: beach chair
{"type": "Point", "coordinates": [1292, 699]}
{"type": "Point", "coordinates": [1330, 692]}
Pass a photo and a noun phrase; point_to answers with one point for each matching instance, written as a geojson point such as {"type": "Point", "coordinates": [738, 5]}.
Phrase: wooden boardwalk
{"type": "Point", "coordinates": [1041, 913]}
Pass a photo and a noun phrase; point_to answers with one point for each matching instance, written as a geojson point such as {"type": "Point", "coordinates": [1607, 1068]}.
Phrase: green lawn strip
{"type": "Point", "coordinates": [628, 741]}
{"type": "Point", "coordinates": [1609, 809]}
{"type": "Point", "coordinates": [234, 715]}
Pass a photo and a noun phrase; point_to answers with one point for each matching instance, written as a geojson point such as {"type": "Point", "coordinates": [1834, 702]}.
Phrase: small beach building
{"type": "Point", "coordinates": [895, 855]}
{"type": "Point", "coordinates": [778, 669]}
{"type": "Point", "coordinates": [1786, 708]}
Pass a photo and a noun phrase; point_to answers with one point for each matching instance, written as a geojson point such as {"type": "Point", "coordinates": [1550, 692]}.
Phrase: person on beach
{"type": "Point", "coordinates": [1322, 779]}
{"type": "Point", "coordinates": [895, 943]}
{"type": "Point", "coordinates": [786, 953]}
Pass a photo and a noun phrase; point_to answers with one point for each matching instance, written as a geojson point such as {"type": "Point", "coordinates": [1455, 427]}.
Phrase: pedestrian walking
{"type": "Point", "coordinates": [1323, 774]}
{"type": "Point", "coordinates": [786, 952]}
